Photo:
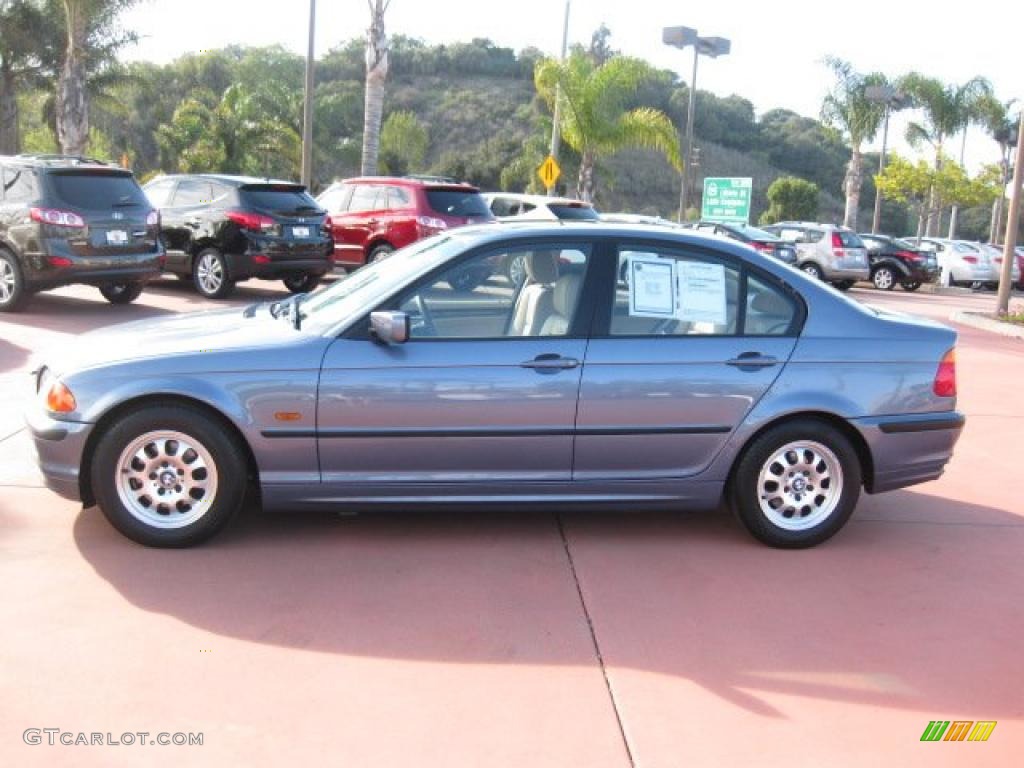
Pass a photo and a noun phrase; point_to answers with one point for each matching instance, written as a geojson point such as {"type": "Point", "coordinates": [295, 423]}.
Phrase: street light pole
{"type": "Point", "coordinates": [684, 37]}
{"type": "Point", "coordinates": [954, 214]}
{"type": "Point", "coordinates": [557, 117]}
{"type": "Point", "coordinates": [892, 98]}
{"type": "Point", "coordinates": [307, 107]}
{"type": "Point", "coordinates": [877, 218]}
{"type": "Point", "coordinates": [1012, 222]}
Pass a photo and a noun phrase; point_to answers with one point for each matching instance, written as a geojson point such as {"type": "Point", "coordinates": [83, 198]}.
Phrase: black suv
{"type": "Point", "coordinates": [67, 220]}
{"type": "Point", "coordinates": [897, 261]}
{"type": "Point", "coordinates": [222, 229]}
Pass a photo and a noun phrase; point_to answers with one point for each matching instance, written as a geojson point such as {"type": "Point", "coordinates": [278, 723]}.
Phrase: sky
{"type": "Point", "coordinates": [777, 47]}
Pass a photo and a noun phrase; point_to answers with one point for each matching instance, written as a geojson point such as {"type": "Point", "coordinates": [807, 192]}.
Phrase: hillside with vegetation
{"type": "Point", "coordinates": [239, 110]}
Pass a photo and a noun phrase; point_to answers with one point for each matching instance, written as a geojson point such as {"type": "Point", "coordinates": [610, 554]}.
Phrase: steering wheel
{"type": "Point", "coordinates": [422, 320]}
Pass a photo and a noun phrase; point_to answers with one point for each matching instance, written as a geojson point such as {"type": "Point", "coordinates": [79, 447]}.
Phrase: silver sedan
{"type": "Point", "coordinates": [635, 366]}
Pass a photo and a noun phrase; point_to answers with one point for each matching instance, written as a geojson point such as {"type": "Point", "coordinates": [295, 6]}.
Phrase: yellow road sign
{"type": "Point", "coordinates": [549, 172]}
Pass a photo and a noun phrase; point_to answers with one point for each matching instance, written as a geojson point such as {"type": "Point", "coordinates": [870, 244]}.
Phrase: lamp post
{"type": "Point", "coordinates": [307, 107]}
{"type": "Point", "coordinates": [557, 117]}
{"type": "Point", "coordinates": [1012, 222]}
{"type": "Point", "coordinates": [684, 37]}
{"type": "Point", "coordinates": [891, 98]}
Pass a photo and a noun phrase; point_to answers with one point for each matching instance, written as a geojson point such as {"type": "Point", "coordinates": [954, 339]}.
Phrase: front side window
{"type": "Point", "coordinates": [159, 192]}
{"type": "Point", "coordinates": [366, 198]}
{"type": "Point", "coordinates": [667, 293]}
{"type": "Point", "coordinates": [476, 298]}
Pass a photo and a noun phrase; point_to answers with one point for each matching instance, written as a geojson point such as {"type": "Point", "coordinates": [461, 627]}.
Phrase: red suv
{"type": "Point", "coordinates": [372, 216]}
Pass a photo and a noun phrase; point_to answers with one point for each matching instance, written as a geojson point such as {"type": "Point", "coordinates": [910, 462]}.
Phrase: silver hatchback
{"type": "Point", "coordinates": [826, 252]}
{"type": "Point", "coordinates": [712, 373]}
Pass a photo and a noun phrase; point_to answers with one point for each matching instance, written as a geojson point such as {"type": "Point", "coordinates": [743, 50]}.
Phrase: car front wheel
{"type": "Point", "coordinates": [884, 279]}
{"type": "Point", "coordinates": [210, 274]}
{"type": "Point", "coordinates": [797, 484]}
{"type": "Point", "coordinates": [301, 283]}
{"type": "Point", "coordinates": [813, 270]}
{"type": "Point", "coordinates": [910, 285]}
{"type": "Point", "coordinates": [168, 476]}
{"type": "Point", "coordinates": [121, 293]}
{"type": "Point", "coordinates": [13, 292]}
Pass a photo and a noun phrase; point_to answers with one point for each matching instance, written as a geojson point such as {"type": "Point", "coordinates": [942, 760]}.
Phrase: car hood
{"type": "Point", "coordinates": [196, 334]}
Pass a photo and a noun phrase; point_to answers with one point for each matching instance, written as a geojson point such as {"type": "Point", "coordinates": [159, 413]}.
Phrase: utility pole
{"type": "Point", "coordinates": [555, 133]}
{"type": "Point", "coordinates": [955, 213]}
{"type": "Point", "coordinates": [307, 108]}
{"type": "Point", "coordinates": [684, 190]}
{"type": "Point", "coordinates": [1012, 222]}
{"type": "Point", "coordinates": [892, 98]}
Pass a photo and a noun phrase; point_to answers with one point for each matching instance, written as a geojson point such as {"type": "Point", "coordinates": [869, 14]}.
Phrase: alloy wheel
{"type": "Point", "coordinates": [800, 485]}
{"type": "Point", "coordinates": [210, 273]}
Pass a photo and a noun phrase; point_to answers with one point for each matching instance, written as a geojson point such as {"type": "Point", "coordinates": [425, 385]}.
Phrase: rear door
{"type": "Point", "coordinates": [682, 352]}
{"type": "Point", "coordinates": [183, 219]}
{"type": "Point", "coordinates": [352, 227]}
{"type": "Point", "coordinates": [402, 228]}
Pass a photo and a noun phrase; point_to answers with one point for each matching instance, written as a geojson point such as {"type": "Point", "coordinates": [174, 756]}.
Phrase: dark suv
{"type": "Point", "coordinates": [219, 230]}
{"type": "Point", "coordinates": [372, 216]}
{"type": "Point", "coordinates": [66, 220]}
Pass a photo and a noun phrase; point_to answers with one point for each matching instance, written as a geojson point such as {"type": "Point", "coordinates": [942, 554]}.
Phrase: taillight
{"type": "Point", "coordinates": [971, 259]}
{"type": "Point", "coordinates": [945, 377]}
{"type": "Point", "coordinates": [59, 261]}
{"type": "Point", "coordinates": [57, 218]}
{"type": "Point", "coordinates": [430, 222]}
{"type": "Point", "coordinates": [910, 255]}
{"type": "Point", "coordinates": [255, 222]}
{"type": "Point", "coordinates": [153, 219]}
{"type": "Point", "coordinates": [837, 245]}
{"type": "Point", "coordinates": [763, 247]}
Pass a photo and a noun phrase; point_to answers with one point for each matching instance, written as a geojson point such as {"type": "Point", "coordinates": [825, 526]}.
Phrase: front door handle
{"type": "Point", "coordinates": [752, 361]}
{"type": "Point", "coordinates": [550, 363]}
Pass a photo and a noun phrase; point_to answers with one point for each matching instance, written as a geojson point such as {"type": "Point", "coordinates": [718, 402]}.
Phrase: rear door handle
{"type": "Point", "coordinates": [752, 361]}
{"type": "Point", "coordinates": [550, 363]}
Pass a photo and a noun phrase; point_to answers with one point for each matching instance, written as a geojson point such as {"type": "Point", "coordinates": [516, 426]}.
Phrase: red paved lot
{"type": "Point", "coordinates": [491, 640]}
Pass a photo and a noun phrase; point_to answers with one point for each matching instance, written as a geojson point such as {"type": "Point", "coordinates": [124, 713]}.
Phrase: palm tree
{"type": "Point", "coordinates": [21, 54]}
{"type": "Point", "coordinates": [595, 118]}
{"type": "Point", "coordinates": [376, 74]}
{"type": "Point", "coordinates": [1000, 126]}
{"type": "Point", "coordinates": [947, 110]}
{"type": "Point", "coordinates": [847, 109]}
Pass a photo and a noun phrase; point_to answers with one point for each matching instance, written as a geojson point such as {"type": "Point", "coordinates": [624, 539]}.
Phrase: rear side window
{"type": "Point", "coordinates": [571, 212]}
{"type": "Point", "coordinates": [97, 191]}
{"type": "Point", "coordinates": [19, 185]}
{"type": "Point", "coordinates": [452, 202]}
{"type": "Point", "coordinates": [398, 198]}
{"type": "Point", "coordinates": [365, 198]}
{"type": "Point", "coordinates": [191, 192]}
{"type": "Point", "coordinates": [279, 199]}
{"type": "Point", "coordinates": [770, 312]}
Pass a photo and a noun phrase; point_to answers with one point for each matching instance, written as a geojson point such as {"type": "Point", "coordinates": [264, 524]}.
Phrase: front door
{"type": "Point", "coordinates": [483, 392]}
{"type": "Point", "coordinates": [689, 344]}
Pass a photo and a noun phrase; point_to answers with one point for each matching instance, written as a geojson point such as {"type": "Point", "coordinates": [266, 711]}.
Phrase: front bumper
{"type": "Point", "coordinates": [911, 448]}
{"type": "Point", "coordinates": [60, 447]}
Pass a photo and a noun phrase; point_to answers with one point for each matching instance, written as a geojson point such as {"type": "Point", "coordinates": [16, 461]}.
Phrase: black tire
{"type": "Point", "coordinates": [884, 278]}
{"type": "Point", "coordinates": [813, 270]}
{"type": "Point", "coordinates": [466, 280]}
{"type": "Point", "coordinates": [301, 283]}
{"type": "Point", "coordinates": [843, 285]}
{"type": "Point", "coordinates": [515, 269]}
{"type": "Point", "coordinates": [227, 458]}
{"type": "Point", "coordinates": [13, 291]}
{"type": "Point", "coordinates": [210, 274]}
{"type": "Point", "coordinates": [121, 293]}
{"type": "Point", "coordinates": [910, 285]}
{"type": "Point", "coordinates": [381, 251]}
{"type": "Point", "coordinates": [746, 489]}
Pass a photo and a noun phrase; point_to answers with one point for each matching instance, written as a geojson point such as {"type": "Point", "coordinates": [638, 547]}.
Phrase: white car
{"type": "Point", "coordinates": [963, 262]}
{"type": "Point", "coordinates": [510, 205]}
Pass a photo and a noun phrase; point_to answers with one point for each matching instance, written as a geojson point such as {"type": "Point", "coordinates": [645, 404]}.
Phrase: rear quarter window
{"type": "Point", "coordinates": [453, 202]}
{"type": "Point", "coordinates": [96, 191]}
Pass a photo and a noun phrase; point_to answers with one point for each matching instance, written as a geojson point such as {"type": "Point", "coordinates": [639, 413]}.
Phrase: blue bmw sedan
{"type": "Point", "coordinates": [633, 367]}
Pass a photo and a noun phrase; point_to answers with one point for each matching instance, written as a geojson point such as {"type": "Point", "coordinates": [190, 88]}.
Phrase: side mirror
{"type": "Point", "coordinates": [389, 327]}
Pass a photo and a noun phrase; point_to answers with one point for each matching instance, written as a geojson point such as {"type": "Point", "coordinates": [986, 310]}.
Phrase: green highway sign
{"type": "Point", "coordinates": [727, 200]}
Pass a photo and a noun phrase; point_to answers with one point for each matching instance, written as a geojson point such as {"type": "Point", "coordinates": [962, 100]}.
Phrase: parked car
{"type": "Point", "coordinates": [826, 252]}
{"type": "Point", "coordinates": [510, 205]}
{"type": "Point", "coordinates": [373, 216]}
{"type": "Point", "coordinates": [220, 230]}
{"type": "Point", "coordinates": [715, 373]}
{"type": "Point", "coordinates": [759, 239]}
{"type": "Point", "coordinates": [894, 261]}
{"type": "Point", "coordinates": [638, 218]}
{"type": "Point", "coordinates": [995, 255]}
{"type": "Point", "coordinates": [66, 220]}
{"type": "Point", "coordinates": [961, 262]}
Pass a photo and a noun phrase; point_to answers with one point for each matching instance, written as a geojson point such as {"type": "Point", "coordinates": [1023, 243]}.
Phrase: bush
{"type": "Point", "coordinates": [791, 199]}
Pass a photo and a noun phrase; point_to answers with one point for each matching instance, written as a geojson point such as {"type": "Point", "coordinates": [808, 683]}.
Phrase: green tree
{"type": "Point", "coordinates": [595, 119]}
{"type": "Point", "coordinates": [404, 142]}
{"type": "Point", "coordinates": [946, 110]}
{"type": "Point", "coordinates": [848, 110]}
{"type": "Point", "coordinates": [791, 199]}
{"type": "Point", "coordinates": [21, 59]}
{"type": "Point", "coordinates": [999, 125]}
{"type": "Point", "coordinates": [376, 74]}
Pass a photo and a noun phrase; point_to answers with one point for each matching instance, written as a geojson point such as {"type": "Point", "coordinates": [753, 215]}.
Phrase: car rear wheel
{"type": "Point", "coordinates": [13, 292]}
{"type": "Point", "coordinates": [910, 285]}
{"type": "Point", "coordinates": [210, 274]}
{"type": "Point", "coordinates": [813, 270]}
{"type": "Point", "coordinates": [515, 269]}
{"type": "Point", "coordinates": [301, 283]}
{"type": "Point", "coordinates": [381, 251]}
{"type": "Point", "coordinates": [884, 278]}
{"type": "Point", "coordinates": [168, 476]}
{"type": "Point", "coordinates": [797, 484]}
{"type": "Point", "coordinates": [121, 293]}
{"type": "Point", "coordinates": [843, 285]}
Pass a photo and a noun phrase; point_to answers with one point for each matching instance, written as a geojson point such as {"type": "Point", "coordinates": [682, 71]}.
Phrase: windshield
{"type": "Point", "coordinates": [361, 290]}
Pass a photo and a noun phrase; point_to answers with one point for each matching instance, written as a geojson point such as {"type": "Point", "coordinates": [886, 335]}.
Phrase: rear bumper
{"type": "Point", "coordinates": [60, 446]}
{"type": "Point", "coordinates": [100, 270]}
{"type": "Point", "coordinates": [267, 258]}
{"type": "Point", "coordinates": [909, 449]}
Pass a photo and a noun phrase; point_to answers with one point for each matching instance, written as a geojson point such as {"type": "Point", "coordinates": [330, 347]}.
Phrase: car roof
{"type": "Point", "coordinates": [538, 199]}
{"type": "Point", "coordinates": [412, 181]}
{"type": "Point", "coordinates": [226, 178]}
{"type": "Point", "coordinates": [61, 161]}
